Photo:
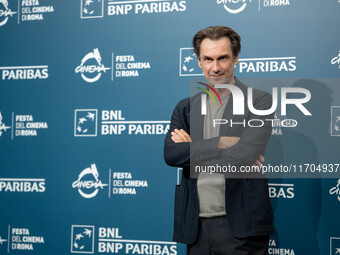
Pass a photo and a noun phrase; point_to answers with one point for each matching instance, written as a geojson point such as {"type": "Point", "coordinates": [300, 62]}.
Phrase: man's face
{"type": "Point", "coordinates": [217, 61]}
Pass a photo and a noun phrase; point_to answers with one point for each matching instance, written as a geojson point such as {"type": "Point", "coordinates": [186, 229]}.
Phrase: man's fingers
{"type": "Point", "coordinates": [184, 135]}
{"type": "Point", "coordinates": [175, 138]}
{"type": "Point", "coordinates": [261, 158]}
{"type": "Point", "coordinates": [257, 167]}
{"type": "Point", "coordinates": [181, 135]}
{"type": "Point", "coordinates": [258, 163]}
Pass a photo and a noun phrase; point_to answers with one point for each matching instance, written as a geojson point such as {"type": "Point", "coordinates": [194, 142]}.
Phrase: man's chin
{"type": "Point", "coordinates": [220, 81]}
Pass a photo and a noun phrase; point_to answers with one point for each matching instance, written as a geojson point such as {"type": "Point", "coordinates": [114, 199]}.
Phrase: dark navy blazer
{"type": "Point", "coordinates": [248, 207]}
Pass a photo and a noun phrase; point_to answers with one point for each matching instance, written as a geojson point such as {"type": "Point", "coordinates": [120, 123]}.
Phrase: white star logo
{"type": "Point", "coordinates": [87, 232]}
{"type": "Point", "coordinates": [90, 116]}
{"type": "Point", "coordinates": [82, 120]}
{"type": "Point", "coordinates": [88, 2]}
{"type": "Point", "coordinates": [79, 236]}
{"type": "Point", "coordinates": [187, 59]}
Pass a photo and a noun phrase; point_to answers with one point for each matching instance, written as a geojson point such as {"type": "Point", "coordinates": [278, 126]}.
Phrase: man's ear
{"type": "Point", "coordinates": [199, 62]}
{"type": "Point", "coordinates": [236, 61]}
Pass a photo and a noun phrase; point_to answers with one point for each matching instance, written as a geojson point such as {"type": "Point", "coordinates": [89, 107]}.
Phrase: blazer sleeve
{"type": "Point", "coordinates": [182, 154]}
{"type": "Point", "coordinates": [253, 140]}
{"type": "Point", "coordinates": [251, 145]}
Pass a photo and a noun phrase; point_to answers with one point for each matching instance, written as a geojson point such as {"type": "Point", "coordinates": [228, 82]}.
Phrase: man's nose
{"type": "Point", "coordinates": [216, 66]}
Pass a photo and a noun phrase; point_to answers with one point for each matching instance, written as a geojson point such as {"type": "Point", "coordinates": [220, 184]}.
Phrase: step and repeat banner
{"type": "Point", "coordinates": [87, 89]}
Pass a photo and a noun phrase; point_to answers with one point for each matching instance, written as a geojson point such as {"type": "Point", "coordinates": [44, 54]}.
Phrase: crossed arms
{"type": "Point", "coordinates": [245, 148]}
{"type": "Point", "coordinates": [224, 142]}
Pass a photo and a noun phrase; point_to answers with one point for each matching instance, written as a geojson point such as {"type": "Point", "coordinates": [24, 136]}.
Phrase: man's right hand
{"type": "Point", "coordinates": [259, 161]}
{"type": "Point", "coordinates": [225, 142]}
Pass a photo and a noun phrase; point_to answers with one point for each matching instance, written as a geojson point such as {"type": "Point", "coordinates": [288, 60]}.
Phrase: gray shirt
{"type": "Point", "coordinates": [211, 187]}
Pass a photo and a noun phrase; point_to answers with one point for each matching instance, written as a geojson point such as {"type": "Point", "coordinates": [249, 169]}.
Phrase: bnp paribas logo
{"type": "Point", "coordinates": [334, 245]}
{"type": "Point", "coordinates": [85, 122]}
{"type": "Point", "coordinates": [188, 63]}
{"type": "Point", "coordinates": [335, 121]}
{"type": "Point", "coordinates": [82, 239]}
{"type": "Point", "coordinates": [92, 9]}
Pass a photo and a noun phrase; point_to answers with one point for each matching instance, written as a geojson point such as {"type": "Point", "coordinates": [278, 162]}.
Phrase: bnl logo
{"type": "Point", "coordinates": [85, 122]}
{"type": "Point", "coordinates": [188, 63]}
{"type": "Point", "coordinates": [91, 9]}
{"type": "Point", "coordinates": [82, 239]}
{"type": "Point", "coordinates": [334, 245]}
{"type": "Point", "coordinates": [335, 121]}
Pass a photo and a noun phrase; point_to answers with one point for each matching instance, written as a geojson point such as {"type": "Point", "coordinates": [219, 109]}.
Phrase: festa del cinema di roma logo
{"type": "Point", "coordinates": [336, 191]}
{"type": "Point", "coordinates": [5, 12]}
{"type": "Point", "coordinates": [91, 68]}
{"type": "Point", "coordinates": [234, 6]}
{"type": "Point", "coordinates": [336, 59]}
{"type": "Point", "coordinates": [88, 183]}
{"type": "Point", "coordinates": [237, 6]}
{"type": "Point", "coordinates": [3, 127]}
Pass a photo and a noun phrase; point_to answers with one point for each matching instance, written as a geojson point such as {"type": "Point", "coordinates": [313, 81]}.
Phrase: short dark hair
{"type": "Point", "coordinates": [215, 33]}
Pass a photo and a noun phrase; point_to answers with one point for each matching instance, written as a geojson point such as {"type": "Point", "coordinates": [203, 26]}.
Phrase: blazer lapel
{"type": "Point", "coordinates": [227, 115]}
{"type": "Point", "coordinates": [196, 119]}
{"type": "Point", "coordinates": [228, 112]}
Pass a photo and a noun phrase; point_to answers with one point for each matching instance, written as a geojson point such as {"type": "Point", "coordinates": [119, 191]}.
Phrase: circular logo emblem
{"type": "Point", "coordinates": [86, 69]}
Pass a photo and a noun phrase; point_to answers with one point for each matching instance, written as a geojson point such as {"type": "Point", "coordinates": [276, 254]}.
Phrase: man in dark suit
{"type": "Point", "coordinates": [216, 213]}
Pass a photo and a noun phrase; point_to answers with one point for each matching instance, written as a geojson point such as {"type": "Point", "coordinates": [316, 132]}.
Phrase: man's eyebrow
{"type": "Point", "coordinates": [224, 56]}
{"type": "Point", "coordinates": [206, 57]}
{"type": "Point", "coordinates": [220, 57]}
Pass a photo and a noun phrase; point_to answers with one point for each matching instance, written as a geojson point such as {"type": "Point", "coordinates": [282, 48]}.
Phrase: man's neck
{"type": "Point", "coordinates": [225, 92]}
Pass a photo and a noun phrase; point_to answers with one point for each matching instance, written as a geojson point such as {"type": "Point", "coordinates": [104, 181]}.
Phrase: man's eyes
{"type": "Point", "coordinates": [223, 59]}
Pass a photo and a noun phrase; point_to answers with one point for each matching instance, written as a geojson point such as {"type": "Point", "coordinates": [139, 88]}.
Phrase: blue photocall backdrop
{"type": "Point", "coordinates": [87, 92]}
